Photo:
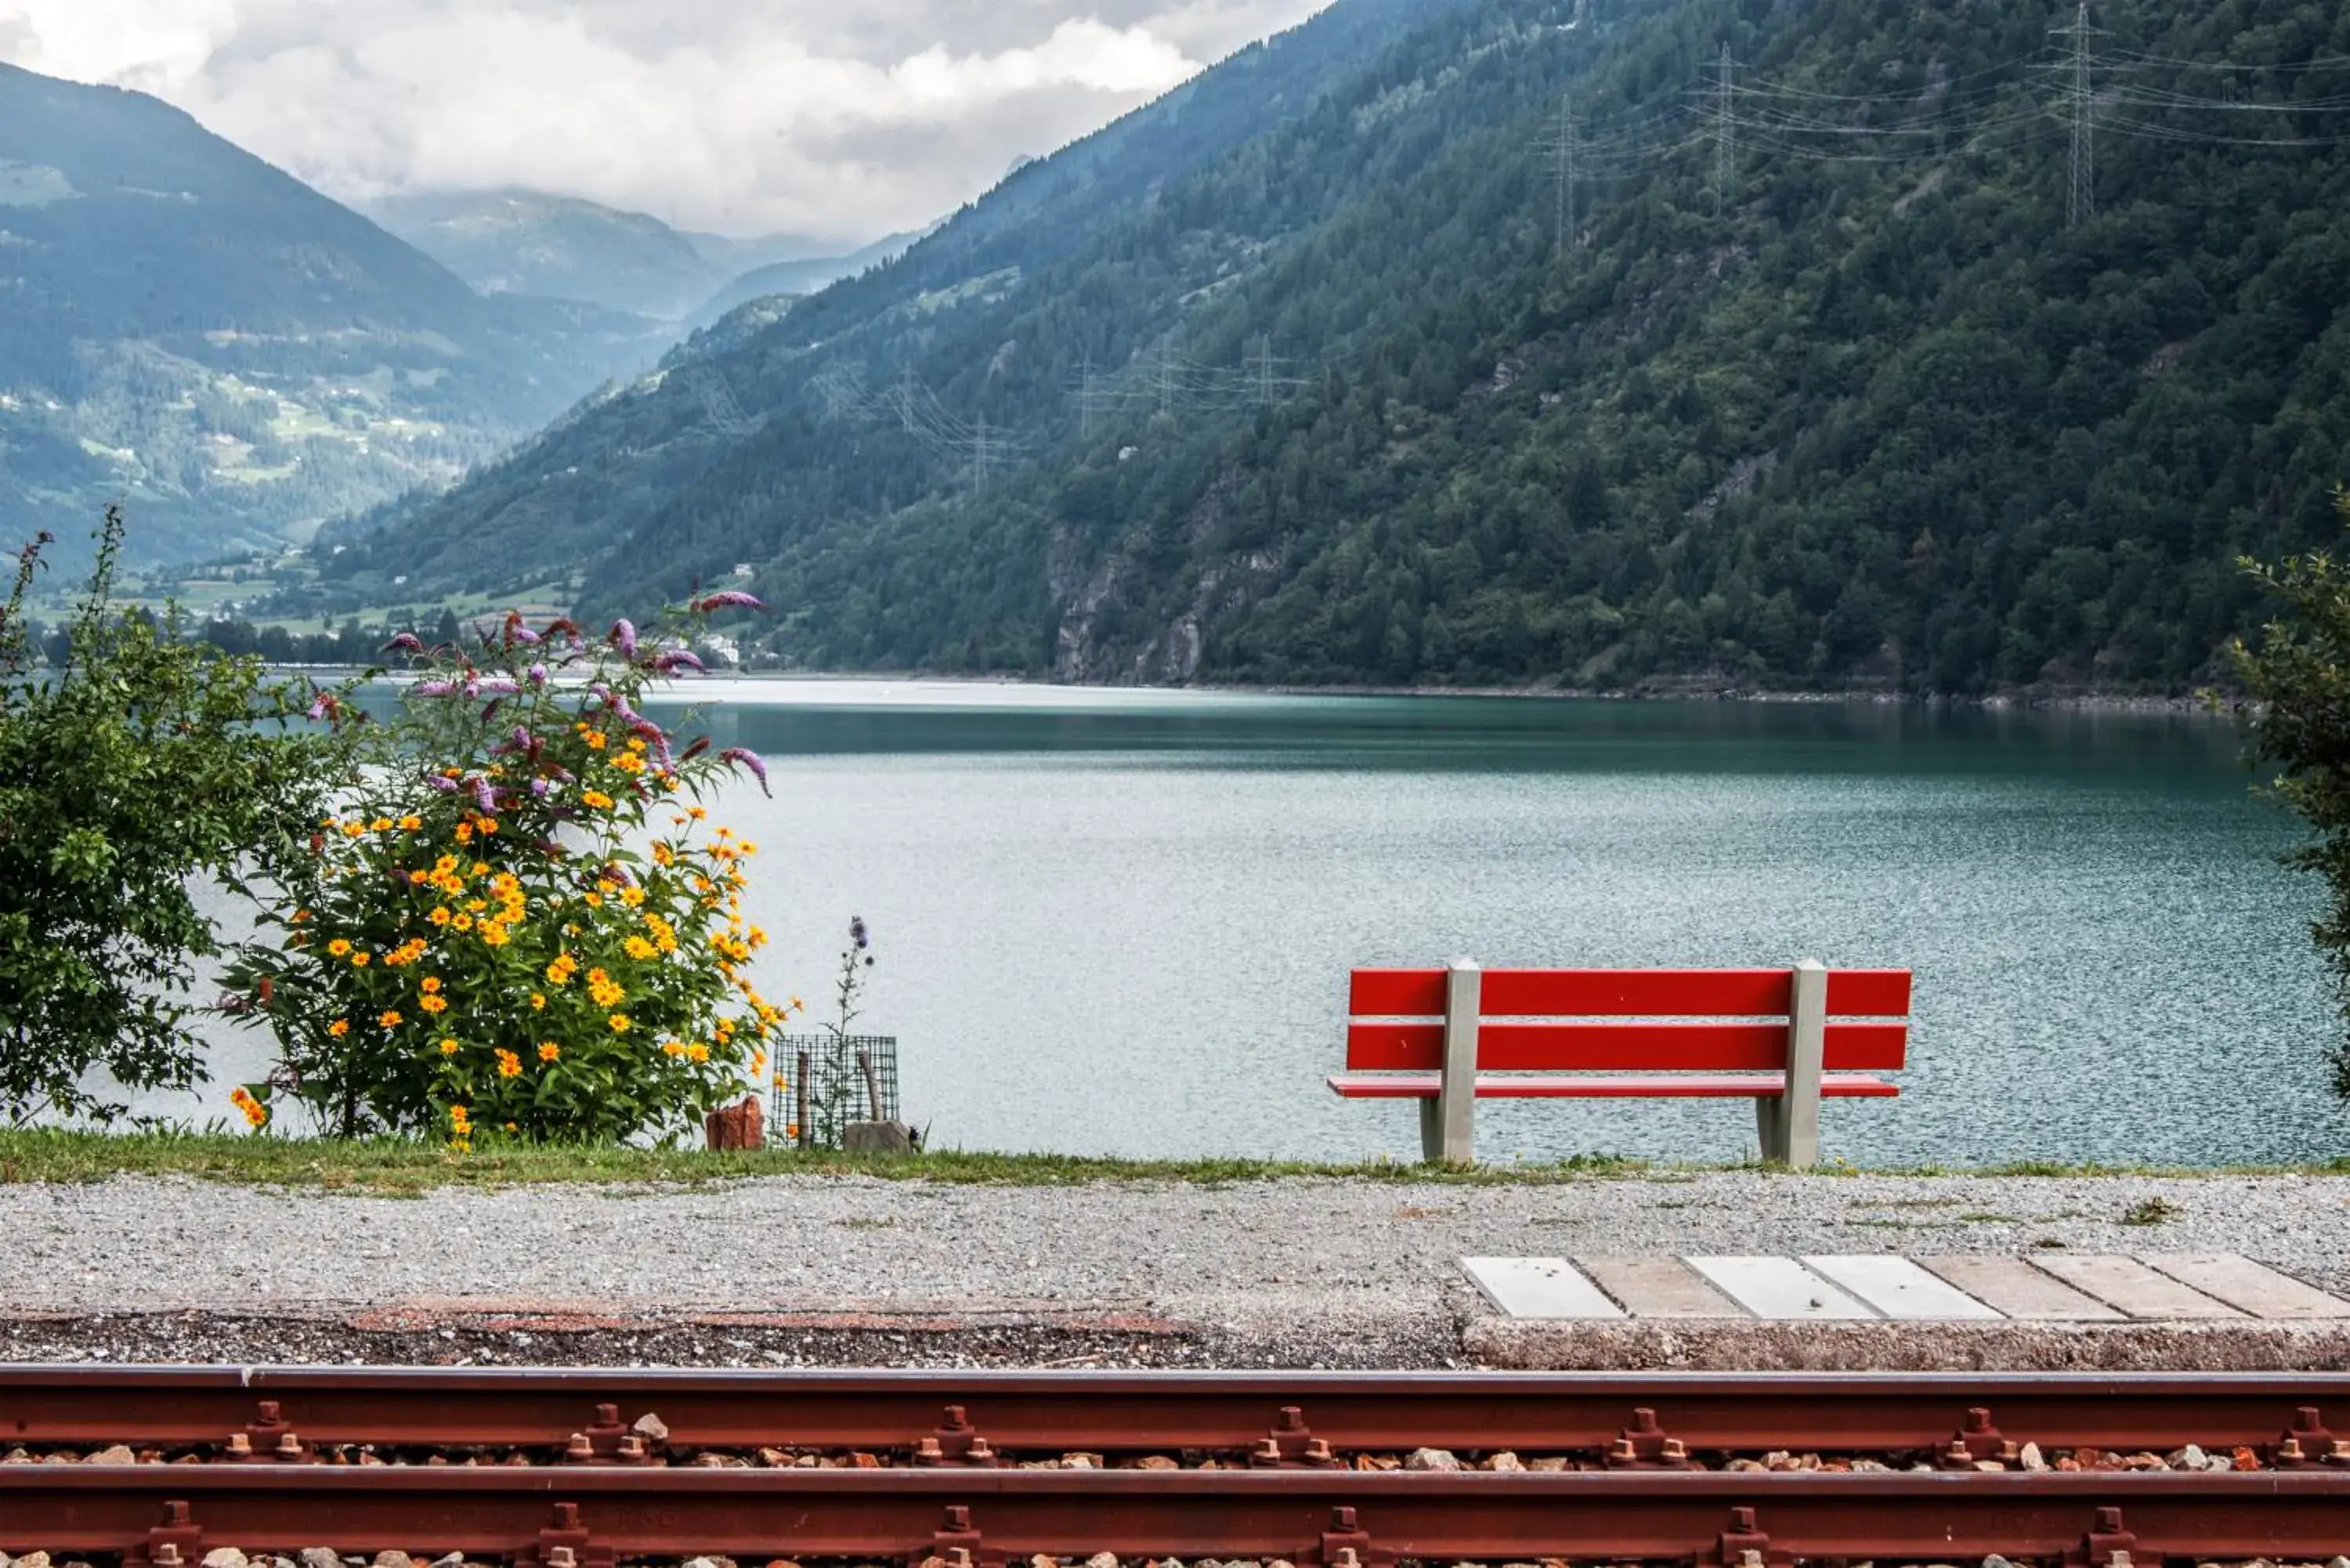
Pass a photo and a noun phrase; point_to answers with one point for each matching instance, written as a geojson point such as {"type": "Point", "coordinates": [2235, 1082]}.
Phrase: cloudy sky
{"type": "Point", "coordinates": [843, 118]}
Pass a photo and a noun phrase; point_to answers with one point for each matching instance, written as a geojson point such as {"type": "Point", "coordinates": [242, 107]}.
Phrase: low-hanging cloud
{"type": "Point", "coordinates": [842, 118]}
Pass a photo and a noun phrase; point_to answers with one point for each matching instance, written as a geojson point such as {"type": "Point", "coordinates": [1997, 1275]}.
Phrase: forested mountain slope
{"type": "Point", "coordinates": [184, 328]}
{"type": "Point", "coordinates": [1829, 375]}
{"type": "Point", "coordinates": [558, 247]}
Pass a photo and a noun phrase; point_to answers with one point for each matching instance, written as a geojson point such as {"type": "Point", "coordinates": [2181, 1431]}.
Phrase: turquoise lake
{"type": "Point", "coordinates": [1120, 922]}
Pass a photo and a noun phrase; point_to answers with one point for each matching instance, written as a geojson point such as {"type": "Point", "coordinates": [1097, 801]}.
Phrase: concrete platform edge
{"type": "Point", "coordinates": [1558, 1346]}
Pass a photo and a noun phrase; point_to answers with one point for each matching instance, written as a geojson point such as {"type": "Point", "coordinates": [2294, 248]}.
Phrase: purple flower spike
{"type": "Point", "coordinates": [484, 797]}
{"type": "Point", "coordinates": [677, 658]}
{"type": "Point", "coordinates": [523, 634]}
{"type": "Point", "coordinates": [405, 642]}
{"type": "Point", "coordinates": [749, 759]}
{"type": "Point", "coordinates": [321, 704]}
{"type": "Point", "coordinates": [446, 786]}
{"type": "Point", "coordinates": [538, 788]}
{"type": "Point", "coordinates": [496, 686]}
{"type": "Point", "coordinates": [432, 688]}
{"type": "Point", "coordinates": [538, 675]}
{"type": "Point", "coordinates": [623, 636]}
{"type": "Point", "coordinates": [729, 599]}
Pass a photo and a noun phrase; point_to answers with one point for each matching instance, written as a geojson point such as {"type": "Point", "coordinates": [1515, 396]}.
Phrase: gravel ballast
{"type": "Point", "coordinates": [1300, 1272]}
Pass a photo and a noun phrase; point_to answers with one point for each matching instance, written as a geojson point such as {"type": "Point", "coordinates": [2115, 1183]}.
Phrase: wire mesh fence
{"type": "Point", "coordinates": [825, 1082]}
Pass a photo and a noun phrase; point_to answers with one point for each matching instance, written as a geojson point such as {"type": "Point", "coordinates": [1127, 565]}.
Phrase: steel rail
{"type": "Point", "coordinates": [1130, 1413]}
{"type": "Point", "coordinates": [152, 1515]}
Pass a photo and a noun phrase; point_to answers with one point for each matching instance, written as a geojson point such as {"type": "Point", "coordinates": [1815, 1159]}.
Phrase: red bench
{"type": "Point", "coordinates": [1449, 1037]}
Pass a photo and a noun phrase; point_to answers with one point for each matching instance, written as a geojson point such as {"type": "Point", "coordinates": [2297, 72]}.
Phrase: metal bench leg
{"type": "Point", "coordinates": [1448, 1127]}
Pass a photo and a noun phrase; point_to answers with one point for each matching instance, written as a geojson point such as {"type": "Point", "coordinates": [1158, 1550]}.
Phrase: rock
{"type": "Point", "coordinates": [782, 1562]}
{"type": "Point", "coordinates": [1548, 1462]}
{"type": "Point", "coordinates": [1081, 1461]}
{"type": "Point", "coordinates": [1746, 1466]}
{"type": "Point", "coordinates": [225, 1557]}
{"type": "Point", "coordinates": [1156, 1462]}
{"type": "Point", "coordinates": [33, 1560]}
{"type": "Point", "coordinates": [282, 1563]}
{"type": "Point", "coordinates": [117, 1455]}
{"type": "Point", "coordinates": [2029, 1457]}
{"type": "Point", "coordinates": [319, 1557]}
{"type": "Point", "coordinates": [17, 1457]}
{"type": "Point", "coordinates": [395, 1558]}
{"type": "Point", "coordinates": [1042, 1560]}
{"type": "Point", "coordinates": [1431, 1459]}
{"type": "Point", "coordinates": [1996, 1560]}
{"type": "Point", "coordinates": [878, 1137]}
{"type": "Point", "coordinates": [700, 1562]}
{"type": "Point", "coordinates": [1871, 1467]}
{"type": "Point", "coordinates": [449, 1560]}
{"type": "Point", "coordinates": [736, 1127]}
{"type": "Point", "coordinates": [1505, 1461]}
{"type": "Point", "coordinates": [651, 1428]}
{"type": "Point", "coordinates": [2337, 1563]}
{"type": "Point", "coordinates": [1102, 1560]}
{"type": "Point", "coordinates": [774, 1459]}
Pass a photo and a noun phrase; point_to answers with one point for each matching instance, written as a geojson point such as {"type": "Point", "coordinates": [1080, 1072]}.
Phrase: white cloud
{"type": "Point", "coordinates": [838, 118]}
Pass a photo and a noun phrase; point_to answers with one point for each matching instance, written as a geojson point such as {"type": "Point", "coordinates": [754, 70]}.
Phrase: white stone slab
{"type": "Point", "coordinates": [1539, 1287]}
{"type": "Point", "coordinates": [2248, 1286]}
{"type": "Point", "coordinates": [1900, 1289]}
{"type": "Point", "coordinates": [1780, 1288]}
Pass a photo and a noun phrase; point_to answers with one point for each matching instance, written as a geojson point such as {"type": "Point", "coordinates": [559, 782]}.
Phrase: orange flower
{"type": "Point", "coordinates": [433, 1003]}
{"type": "Point", "coordinates": [339, 1027]}
{"type": "Point", "coordinates": [338, 946]}
{"type": "Point", "coordinates": [548, 1050]}
{"type": "Point", "coordinates": [432, 983]}
{"type": "Point", "coordinates": [537, 1002]}
{"type": "Point", "coordinates": [390, 1019]}
{"type": "Point", "coordinates": [448, 1047]}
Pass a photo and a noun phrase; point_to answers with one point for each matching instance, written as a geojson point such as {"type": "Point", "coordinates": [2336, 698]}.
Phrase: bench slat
{"type": "Point", "coordinates": [1627, 992]}
{"type": "Point", "coordinates": [1684, 1085]}
{"type": "Point", "coordinates": [1611, 1047]}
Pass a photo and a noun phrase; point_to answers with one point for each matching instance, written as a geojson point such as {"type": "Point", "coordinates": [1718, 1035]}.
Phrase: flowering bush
{"type": "Point", "coordinates": [521, 925]}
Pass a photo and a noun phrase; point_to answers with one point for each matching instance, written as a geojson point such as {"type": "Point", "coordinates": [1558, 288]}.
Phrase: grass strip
{"type": "Point", "coordinates": [406, 1168]}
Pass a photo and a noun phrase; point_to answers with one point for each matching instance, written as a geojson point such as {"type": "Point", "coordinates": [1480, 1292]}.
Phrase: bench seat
{"type": "Point", "coordinates": [1618, 1085]}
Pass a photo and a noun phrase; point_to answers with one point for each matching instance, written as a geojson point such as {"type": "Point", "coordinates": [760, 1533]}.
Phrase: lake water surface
{"type": "Point", "coordinates": [1121, 922]}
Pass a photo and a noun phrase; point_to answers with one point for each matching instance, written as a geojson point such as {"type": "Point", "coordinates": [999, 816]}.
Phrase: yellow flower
{"type": "Point", "coordinates": [663, 855]}
{"type": "Point", "coordinates": [635, 743]}
{"type": "Point", "coordinates": [462, 923]}
{"type": "Point", "coordinates": [537, 1002]}
{"type": "Point", "coordinates": [477, 905]}
{"type": "Point", "coordinates": [439, 917]}
{"type": "Point", "coordinates": [488, 824]}
{"type": "Point", "coordinates": [464, 834]}
{"type": "Point", "coordinates": [434, 1004]}
{"type": "Point", "coordinates": [698, 1051]}
{"type": "Point", "coordinates": [669, 783]}
{"type": "Point", "coordinates": [381, 825]}
{"type": "Point", "coordinates": [355, 830]}
{"type": "Point", "coordinates": [632, 896]}
{"type": "Point", "coordinates": [418, 878]}
{"type": "Point", "coordinates": [390, 1019]}
{"type": "Point", "coordinates": [548, 1050]}
{"type": "Point", "coordinates": [629, 762]}
{"type": "Point", "coordinates": [339, 1027]}
{"type": "Point", "coordinates": [696, 813]}
{"type": "Point", "coordinates": [481, 868]}
{"type": "Point", "coordinates": [619, 1023]}
{"type": "Point", "coordinates": [594, 900]}
{"type": "Point", "coordinates": [493, 934]}
{"type": "Point", "coordinates": [410, 824]}
{"type": "Point", "coordinates": [509, 1064]}
{"type": "Point", "coordinates": [448, 1047]}
{"type": "Point", "coordinates": [597, 798]}
{"type": "Point", "coordinates": [429, 984]}
{"type": "Point", "coordinates": [338, 946]}
{"type": "Point", "coordinates": [637, 948]}
{"type": "Point", "coordinates": [595, 740]}
{"type": "Point", "coordinates": [359, 961]}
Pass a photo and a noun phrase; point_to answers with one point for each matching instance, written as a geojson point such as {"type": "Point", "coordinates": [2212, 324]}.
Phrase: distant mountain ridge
{"type": "Point", "coordinates": [198, 334]}
{"type": "Point", "coordinates": [516, 241]}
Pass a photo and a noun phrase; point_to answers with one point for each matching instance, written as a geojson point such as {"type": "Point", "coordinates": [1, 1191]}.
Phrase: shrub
{"type": "Point", "coordinates": [520, 925]}
{"type": "Point", "coordinates": [137, 762]}
{"type": "Point", "coordinates": [2300, 676]}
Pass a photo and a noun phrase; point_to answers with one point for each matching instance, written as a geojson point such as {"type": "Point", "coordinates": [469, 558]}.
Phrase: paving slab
{"type": "Point", "coordinates": [1659, 1288]}
{"type": "Point", "coordinates": [1780, 1288]}
{"type": "Point", "coordinates": [1539, 1287]}
{"type": "Point", "coordinates": [2015, 1290]}
{"type": "Point", "coordinates": [2248, 1287]}
{"type": "Point", "coordinates": [2144, 1294]}
{"type": "Point", "coordinates": [1900, 1289]}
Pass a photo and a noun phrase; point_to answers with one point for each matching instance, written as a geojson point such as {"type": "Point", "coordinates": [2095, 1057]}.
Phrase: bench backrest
{"type": "Point", "coordinates": [1607, 1020]}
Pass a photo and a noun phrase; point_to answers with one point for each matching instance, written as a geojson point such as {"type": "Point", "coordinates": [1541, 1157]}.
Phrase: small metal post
{"type": "Point", "coordinates": [806, 1125]}
{"type": "Point", "coordinates": [1807, 1034]}
{"type": "Point", "coordinates": [1450, 1134]}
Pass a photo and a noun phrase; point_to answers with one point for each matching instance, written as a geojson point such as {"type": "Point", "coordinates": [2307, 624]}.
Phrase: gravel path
{"type": "Point", "coordinates": [1310, 1271]}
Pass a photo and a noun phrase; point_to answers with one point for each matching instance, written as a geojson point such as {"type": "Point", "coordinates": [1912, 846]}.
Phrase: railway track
{"type": "Point", "coordinates": [160, 1465]}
